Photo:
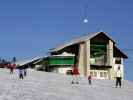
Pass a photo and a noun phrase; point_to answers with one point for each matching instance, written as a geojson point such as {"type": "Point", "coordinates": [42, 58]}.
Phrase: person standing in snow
{"type": "Point", "coordinates": [75, 74]}
{"type": "Point", "coordinates": [11, 67]}
{"type": "Point", "coordinates": [20, 73]}
{"type": "Point", "coordinates": [89, 79]}
{"type": "Point", "coordinates": [118, 77]}
{"type": "Point", "coordinates": [25, 72]}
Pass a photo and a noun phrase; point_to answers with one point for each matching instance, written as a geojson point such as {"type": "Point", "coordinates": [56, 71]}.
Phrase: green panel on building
{"type": "Point", "coordinates": [57, 60]}
{"type": "Point", "coordinates": [98, 50]}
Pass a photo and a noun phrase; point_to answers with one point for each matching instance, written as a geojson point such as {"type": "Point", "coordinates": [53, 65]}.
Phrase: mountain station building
{"type": "Point", "coordinates": [94, 53]}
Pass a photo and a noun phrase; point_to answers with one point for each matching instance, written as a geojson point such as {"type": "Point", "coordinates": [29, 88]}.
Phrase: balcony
{"type": "Point", "coordinates": [101, 60]}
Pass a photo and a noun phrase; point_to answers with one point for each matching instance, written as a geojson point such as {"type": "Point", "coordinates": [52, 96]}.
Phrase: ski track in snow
{"type": "Point", "coordinates": [50, 86]}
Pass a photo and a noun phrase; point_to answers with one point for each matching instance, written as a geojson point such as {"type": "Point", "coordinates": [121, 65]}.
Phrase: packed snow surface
{"type": "Point", "coordinates": [51, 86]}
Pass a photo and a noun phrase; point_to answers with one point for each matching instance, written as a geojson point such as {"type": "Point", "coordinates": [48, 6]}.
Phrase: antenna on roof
{"type": "Point", "coordinates": [85, 20]}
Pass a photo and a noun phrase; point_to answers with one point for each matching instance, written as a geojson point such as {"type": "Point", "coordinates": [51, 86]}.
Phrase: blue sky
{"type": "Point", "coordinates": [31, 27]}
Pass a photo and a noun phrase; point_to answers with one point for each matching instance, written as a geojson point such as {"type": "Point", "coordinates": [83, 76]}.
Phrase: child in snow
{"type": "Point", "coordinates": [89, 79]}
{"type": "Point", "coordinates": [75, 74]}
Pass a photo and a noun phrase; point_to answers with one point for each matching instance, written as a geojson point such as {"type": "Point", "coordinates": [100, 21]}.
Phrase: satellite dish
{"type": "Point", "coordinates": [85, 20]}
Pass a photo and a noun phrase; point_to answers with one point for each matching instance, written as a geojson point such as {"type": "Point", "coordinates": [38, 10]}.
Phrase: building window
{"type": "Point", "coordinates": [103, 74]}
{"type": "Point", "coordinates": [93, 74]}
{"type": "Point", "coordinates": [118, 61]}
{"type": "Point", "coordinates": [98, 53]}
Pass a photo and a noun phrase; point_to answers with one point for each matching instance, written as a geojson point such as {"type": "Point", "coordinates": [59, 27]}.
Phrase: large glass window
{"type": "Point", "coordinates": [98, 53]}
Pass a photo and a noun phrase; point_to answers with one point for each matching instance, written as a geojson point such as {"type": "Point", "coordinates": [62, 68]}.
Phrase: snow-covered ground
{"type": "Point", "coordinates": [51, 86]}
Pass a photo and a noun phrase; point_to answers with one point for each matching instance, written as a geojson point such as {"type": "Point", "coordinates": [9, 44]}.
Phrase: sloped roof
{"type": "Point", "coordinates": [119, 53]}
{"type": "Point", "coordinates": [79, 40]}
{"type": "Point", "coordinates": [64, 54]}
{"type": "Point", "coordinates": [27, 61]}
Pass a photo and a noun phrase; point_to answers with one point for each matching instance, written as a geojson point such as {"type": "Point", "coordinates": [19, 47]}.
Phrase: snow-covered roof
{"type": "Point", "coordinates": [78, 40]}
{"type": "Point", "coordinates": [65, 54]}
{"type": "Point", "coordinates": [26, 61]}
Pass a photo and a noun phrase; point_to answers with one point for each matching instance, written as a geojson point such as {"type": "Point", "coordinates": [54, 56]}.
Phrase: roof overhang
{"type": "Point", "coordinates": [119, 53]}
{"type": "Point", "coordinates": [79, 40]}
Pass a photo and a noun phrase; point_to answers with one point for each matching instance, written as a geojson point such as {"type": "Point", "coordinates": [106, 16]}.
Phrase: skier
{"type": "Point", "coordinates": [20, 73]}
{"type": "Point", "coordinates": [118, 77]}
{"type": "Point", "coordinates": [89, 79]}
{"type": "Point", "coordinates": [25, 72]}
{"type": "Point", "coordinates": [75, 74]}
{"type": "Point", "coordinates": [11, 67]}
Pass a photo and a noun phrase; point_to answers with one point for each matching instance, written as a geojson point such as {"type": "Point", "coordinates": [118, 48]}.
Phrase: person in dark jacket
{"type": "Point", "coordinates": [11, 67]}
{"type": "Point", "coordinates": [25, 71]}
{"type": "Point", "coordinates": [89, 79]}
{"type": "Point", "coordinates": [20, 73]}
{"type": "Point", "coordinates": [75, 74]}
{"type": "Point", "coordinates": [118, 77]}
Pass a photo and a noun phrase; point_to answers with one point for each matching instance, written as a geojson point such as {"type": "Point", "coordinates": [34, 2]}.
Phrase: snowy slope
{"type": "Point", "coordinates": [51, 86]}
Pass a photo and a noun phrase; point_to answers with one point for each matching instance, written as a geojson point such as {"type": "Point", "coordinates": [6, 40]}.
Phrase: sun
{"type": "Point", "coordinates": [85, 20]}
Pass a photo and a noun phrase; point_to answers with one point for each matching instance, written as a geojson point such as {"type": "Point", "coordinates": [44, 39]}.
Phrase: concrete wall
{"type": "Point", "coordinates": [84, 58]}
{"type": "Point", "coordinates": [81, 62]}
{"type": "Point", "coordinates": [110, 59]}
{"type": "Point", "coordinates": [87, 58]}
